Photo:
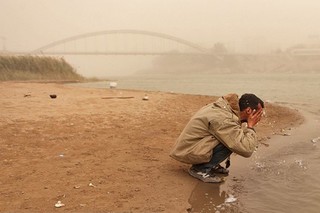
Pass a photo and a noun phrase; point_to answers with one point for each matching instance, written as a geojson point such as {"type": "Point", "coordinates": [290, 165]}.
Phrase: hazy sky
{"type": "Point", "coordinates": [29, 24]}
{"type": "Point", "coordinates": [26, 25]}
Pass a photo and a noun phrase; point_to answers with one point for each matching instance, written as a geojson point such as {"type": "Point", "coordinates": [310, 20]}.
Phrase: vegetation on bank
{"type": "Point", "coordinates": [36, 68]}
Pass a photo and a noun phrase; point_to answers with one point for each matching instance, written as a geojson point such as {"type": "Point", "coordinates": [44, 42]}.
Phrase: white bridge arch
{"type": "Point", "coordinates": [96, 43]}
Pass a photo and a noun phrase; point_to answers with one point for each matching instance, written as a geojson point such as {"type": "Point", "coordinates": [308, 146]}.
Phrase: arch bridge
{"type": "Point", "coordinates": [122, 42]}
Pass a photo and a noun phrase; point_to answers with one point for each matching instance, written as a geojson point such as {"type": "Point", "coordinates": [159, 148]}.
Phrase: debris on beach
{"type": "Point", "coordinates": [53, 96]}
{"type": "Point", "coordinates": [315, 140]}
{"type": "Point", "coordinates": [230, 199]}
{"type": "Point", "coordinates": [301, 164]}
{"type": "Point", "coordinates": [91, 185]}
{"type": "Point", "coordinates": [283, 133]}
{"type": "Point", "coordinates": [59, 204]}
{"type": "Point", "coordinates": [145, 98]}
{"type": "Point", "coordinates": [113, 85]}
{"type": "Point", "coordinates": [27, 95]}
{"type": "Point", "coordinates": [260, 165]}
{"type": "Point", "coordinates": [265, 144]}
{"type": "Point", "coordinates": [117, 97]}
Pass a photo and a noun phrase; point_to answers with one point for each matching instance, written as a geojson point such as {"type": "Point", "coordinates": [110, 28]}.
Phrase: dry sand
{"type": "Point", "coordinates": [100, 150]}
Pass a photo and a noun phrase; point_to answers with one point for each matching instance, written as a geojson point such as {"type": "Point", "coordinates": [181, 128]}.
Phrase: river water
{"type": "Point", "coordinates": [284, 180]}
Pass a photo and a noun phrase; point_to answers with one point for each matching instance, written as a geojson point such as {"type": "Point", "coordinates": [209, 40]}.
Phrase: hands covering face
{"type": "Point", "coordinates": [255, 116]}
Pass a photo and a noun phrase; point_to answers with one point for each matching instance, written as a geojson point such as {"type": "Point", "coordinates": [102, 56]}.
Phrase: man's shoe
{"type": "Point", "coordinates": [205, 177]}
{"type": "Point", "coordinates": [220, 170]}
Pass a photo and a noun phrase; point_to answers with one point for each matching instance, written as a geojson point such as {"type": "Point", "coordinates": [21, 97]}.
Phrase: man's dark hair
{"type": "Point", "coordinates": [250, 100]}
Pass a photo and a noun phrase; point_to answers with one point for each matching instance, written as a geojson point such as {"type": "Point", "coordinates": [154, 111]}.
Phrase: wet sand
{"type": "Point", "coordinates": [105, 149]}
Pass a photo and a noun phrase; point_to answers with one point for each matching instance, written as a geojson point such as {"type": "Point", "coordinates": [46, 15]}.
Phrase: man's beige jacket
{"type": "Point", "coordinates": [213, 124]}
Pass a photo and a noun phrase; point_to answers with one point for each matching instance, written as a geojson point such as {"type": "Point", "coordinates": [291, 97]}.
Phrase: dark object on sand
{"type": "Point", "coordinates": [53, 96]}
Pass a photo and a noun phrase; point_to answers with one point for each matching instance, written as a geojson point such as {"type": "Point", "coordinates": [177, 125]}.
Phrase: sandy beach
{"type": "Point", "coordinates": [102, 150]}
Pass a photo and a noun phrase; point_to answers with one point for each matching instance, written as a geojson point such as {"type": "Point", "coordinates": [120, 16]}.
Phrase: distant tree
{"type": "Point", "coordinates": [219, 48]}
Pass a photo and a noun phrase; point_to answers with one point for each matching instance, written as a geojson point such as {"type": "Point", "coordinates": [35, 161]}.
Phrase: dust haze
{"type": "Point", "coordinates": [247, 26]}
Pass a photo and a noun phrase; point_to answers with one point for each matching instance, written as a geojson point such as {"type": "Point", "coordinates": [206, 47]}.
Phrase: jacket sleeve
{"type": "Point", "coordinates": [231, 134]}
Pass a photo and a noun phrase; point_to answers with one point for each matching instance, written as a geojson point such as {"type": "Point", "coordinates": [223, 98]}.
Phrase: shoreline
{"type": "Point", "coordinates": [54, 148]}
{"type": "Point", "coordinates": [271, 163]}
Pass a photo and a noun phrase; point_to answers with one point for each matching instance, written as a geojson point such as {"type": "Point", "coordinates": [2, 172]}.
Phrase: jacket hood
{"type": "Point", "coordinates": [230, 101]}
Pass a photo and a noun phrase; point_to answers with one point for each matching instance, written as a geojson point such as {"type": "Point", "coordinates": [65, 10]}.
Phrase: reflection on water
{"type": "Point", "coordinates": [208, 197]}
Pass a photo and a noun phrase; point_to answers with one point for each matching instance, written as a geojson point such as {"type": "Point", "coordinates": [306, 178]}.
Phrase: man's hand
{"type": "Point", "coordinates": [254, 117]}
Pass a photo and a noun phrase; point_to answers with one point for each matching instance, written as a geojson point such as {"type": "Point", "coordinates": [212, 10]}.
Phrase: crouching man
{"type": "Point", "coordinates": [215, 132]}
